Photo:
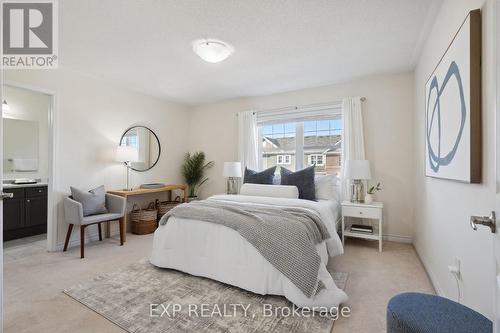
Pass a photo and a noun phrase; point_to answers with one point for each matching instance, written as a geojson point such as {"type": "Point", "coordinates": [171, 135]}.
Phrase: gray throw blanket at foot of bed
{"type": "Point", "coordinates": [285, 236]}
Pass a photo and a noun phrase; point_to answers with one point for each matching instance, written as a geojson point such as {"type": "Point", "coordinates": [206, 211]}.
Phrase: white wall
{"type": "Point", "coordinates": [32, 106]}
{"type": "Point", "coordinates": [387, 112]}
{"type": "Point", "coordinates": [91, 117]}
{"type": "Point", "coordinates": [443, 207]}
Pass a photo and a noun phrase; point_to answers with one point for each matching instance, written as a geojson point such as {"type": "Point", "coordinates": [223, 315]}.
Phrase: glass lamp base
{"type": "Point", "coordinates": [357, 191]}
{"type": "Point", "coordinates": [232, 185]}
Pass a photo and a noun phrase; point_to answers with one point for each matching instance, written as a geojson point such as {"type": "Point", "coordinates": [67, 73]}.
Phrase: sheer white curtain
{"type": "Point", "coordinates": [247, 140]}
{"type": "Point", "coordinates": [353, 143]}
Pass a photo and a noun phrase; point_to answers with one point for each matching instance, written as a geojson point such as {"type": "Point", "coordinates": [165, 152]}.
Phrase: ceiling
{"type": "Point", "coordinates": [280, 45]}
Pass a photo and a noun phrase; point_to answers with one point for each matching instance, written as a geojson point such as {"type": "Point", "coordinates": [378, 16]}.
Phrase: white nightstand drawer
{"type": "Point", "coordinates": [363, 212]}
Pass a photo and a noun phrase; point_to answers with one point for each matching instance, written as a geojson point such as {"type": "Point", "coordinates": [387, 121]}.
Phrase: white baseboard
{"type": "Point", "coordinates": [430, 274]}
{"type": "Point", "coordinates": [398, 238]}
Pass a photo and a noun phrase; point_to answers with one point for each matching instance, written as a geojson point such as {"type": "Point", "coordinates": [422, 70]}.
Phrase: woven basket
{"type": "Point", "coordinates": [165, 206]}
{"type": "Point", "coordinates": [143, 220]}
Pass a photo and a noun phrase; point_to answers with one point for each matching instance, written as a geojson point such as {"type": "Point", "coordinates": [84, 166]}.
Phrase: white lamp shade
{"type": "Point", "coordinates": [127, 154]}
{"type": "Point", "coordinates": [232, 169]}
{"type": "Point", "coordinates": [358, 169]}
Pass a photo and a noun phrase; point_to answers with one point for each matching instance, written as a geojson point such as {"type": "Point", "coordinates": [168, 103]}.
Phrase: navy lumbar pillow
{"type": "Point", "coordinates": [93, 202]}
{"type": "Point", "coordinates": [264, 177]}
{"type": "Point", "coordinates": [303, 179]}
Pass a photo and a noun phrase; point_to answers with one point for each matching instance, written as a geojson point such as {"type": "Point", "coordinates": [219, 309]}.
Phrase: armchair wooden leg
{"type": "Point", "coordinates": [82, 241]}
{"type": "Point", "coordinates": [68, 235]}
{"type": "Point", "coordinates": [122, 230]}
{"type": "Point", "coordinates": [100, 232]}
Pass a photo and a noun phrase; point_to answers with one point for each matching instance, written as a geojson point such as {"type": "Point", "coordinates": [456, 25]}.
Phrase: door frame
{"type": "Point", "coordinates": [496, 105]}
{"type": "Point", "coordinates": [52, 211]}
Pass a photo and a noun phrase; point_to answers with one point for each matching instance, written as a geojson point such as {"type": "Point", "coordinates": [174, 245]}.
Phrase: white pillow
{"type": "Point", "coordinates": [276, 191]}
{"type": "Point", "coordinates": [327, 187]}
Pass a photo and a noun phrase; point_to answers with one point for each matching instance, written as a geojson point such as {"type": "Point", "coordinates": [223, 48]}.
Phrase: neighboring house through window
{"type": "Point", "coordinates": [284, 159]}
{"type": "Point", "coordinates": [299, 143]}
{"type": "Point", "coordinates": [315, 159]}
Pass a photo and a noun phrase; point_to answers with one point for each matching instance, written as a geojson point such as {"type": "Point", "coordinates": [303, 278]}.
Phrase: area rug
{"type": "Point", "coordinates": [143, 298]}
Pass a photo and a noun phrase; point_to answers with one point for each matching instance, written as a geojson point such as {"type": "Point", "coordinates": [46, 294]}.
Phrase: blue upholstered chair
{"type": "Point", "coordinates": [422, 313]}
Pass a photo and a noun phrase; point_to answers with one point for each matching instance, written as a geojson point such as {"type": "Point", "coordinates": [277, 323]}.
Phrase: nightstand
{"type": "Point", "coordinates": [364, 211]}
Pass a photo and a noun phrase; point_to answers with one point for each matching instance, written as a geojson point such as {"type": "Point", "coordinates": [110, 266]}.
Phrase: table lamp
{"type": "Point", "coordinates": [232, 170]}
{"type": "Point", "coordinates": [357, 171]}
{"type": "Point", "coordinates": [127, 155]}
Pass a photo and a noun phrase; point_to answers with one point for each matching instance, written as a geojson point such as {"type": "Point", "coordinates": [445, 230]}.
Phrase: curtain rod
{"type": "Point", "coordinates": [304, 106]}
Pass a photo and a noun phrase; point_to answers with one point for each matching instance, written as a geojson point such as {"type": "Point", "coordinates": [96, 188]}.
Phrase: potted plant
{"type": "Point", "coordinates": [371, 191]}
{"type": "Point", "coordinates": [193, 171]}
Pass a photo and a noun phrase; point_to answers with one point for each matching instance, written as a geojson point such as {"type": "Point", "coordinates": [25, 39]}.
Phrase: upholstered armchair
{"type": "Point", "coordinates": [73, 213]}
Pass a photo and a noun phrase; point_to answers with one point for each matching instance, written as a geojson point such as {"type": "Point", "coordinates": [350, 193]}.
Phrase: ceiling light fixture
{"type": "Point", "coordinates": [5, 106]}
{"type": "Point", "coordinates": [212, 50]}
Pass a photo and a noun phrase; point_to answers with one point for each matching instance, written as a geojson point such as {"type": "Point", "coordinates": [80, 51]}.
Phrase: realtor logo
{"type": "Point", "coordinates": [29, 34]}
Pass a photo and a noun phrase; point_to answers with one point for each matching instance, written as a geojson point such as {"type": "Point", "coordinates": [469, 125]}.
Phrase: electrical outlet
{"type": "Point", "coordinates": [455, 268]}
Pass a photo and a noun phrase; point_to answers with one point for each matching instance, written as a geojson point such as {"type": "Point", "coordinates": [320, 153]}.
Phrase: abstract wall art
{"type": "Point", "coordinates": [453, 108]}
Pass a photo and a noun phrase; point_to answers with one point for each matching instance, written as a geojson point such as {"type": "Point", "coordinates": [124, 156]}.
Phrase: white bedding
{"type": "Point", "coordinates": [220, 253]}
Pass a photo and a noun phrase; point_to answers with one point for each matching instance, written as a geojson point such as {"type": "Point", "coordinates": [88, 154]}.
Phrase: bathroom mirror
{"type": "Point", "coordinates": [147, 144]}
{"type": "Point", "coordinates": [20, 139]}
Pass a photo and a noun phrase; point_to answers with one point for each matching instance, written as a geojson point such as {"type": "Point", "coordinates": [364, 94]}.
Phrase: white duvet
{"type": "Point", "coordinates": [220, 253]}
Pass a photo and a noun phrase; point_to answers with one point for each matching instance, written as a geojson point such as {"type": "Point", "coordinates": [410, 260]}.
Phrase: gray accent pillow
{"type": "Point", "coordinates": [93, 201]}
{"type": "Point", "coordinates": [264, 177]}
{"type": "Point", "coordinates": [303, 179]}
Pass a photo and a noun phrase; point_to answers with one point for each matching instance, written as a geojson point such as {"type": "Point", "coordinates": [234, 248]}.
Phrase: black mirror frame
{"type": "Point", "coordinates": [157, 140]}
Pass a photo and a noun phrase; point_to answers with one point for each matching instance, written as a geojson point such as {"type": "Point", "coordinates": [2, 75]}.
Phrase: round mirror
{"type": "Point", "coordinates": [145, 146]}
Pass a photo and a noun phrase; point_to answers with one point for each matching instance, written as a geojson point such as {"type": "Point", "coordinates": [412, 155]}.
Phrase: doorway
{"type": "Point", "coordinates": [27, 170]}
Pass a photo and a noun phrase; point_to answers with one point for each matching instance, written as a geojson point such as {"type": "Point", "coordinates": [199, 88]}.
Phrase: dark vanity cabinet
{"type": "Point", "coordinates": [26, 213]}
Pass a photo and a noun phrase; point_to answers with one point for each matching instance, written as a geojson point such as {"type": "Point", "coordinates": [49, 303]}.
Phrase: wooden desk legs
{"type": "Point", "coordinates": [108, 229]}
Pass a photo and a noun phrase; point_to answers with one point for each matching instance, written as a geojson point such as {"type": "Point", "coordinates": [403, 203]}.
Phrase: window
{"type": "Point", "coordinates": [130, 138]}
{"type": "Point", "coordinates": [284, 159]}
{"type": "Point", "coordinates": [315, 159]}
{"type": "Point", "coordinates": [322, 144]}
{"type": "Point", "coordinates": [278, 141]}
{"type": "Point", "coordinates": [296, 145]}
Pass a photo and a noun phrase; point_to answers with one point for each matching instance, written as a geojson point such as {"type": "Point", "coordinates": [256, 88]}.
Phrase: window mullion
{"type": "Point", "coordinates": [260, 134]}
{"type": "Point", "coordinates": [299, 146]}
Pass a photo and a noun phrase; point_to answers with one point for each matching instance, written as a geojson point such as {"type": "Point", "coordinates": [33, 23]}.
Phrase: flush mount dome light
{"type": "Point", "coordinates": [212, 50]}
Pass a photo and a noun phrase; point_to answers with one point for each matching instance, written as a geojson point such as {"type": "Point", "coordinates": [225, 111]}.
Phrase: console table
{"type": "Point", "coordinates": [140, 191]}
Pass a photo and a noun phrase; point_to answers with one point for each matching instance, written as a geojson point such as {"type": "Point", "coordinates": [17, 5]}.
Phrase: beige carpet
{"type": "Point", "coordinates": [125, 297]}
{"type": "Point", "coordinates": [33, 280]}
{"type": "Point", "coordinates": [374, 278]}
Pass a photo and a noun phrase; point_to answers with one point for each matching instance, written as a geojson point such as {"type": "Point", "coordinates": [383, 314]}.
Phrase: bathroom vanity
{"type": "Point", "coordinates": [25, 160]}
{"type": "Point", "coordinates": [25, 214]}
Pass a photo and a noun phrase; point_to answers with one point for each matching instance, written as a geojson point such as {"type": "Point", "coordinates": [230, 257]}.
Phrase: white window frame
{"type": "Point", "coordinates": [297, 115]}
{"type": "Point", "coordinates": [285, 159]}
{"type": "Point", "coordinates": [310, 158]}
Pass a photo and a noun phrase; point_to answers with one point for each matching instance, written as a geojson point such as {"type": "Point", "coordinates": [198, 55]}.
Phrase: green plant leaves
{"type": "Point", "coordinates": [193, 170]}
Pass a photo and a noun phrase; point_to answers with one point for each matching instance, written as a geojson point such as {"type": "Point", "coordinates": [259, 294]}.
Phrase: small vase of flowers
{"type": "Point", "coordinates": [371, 191]}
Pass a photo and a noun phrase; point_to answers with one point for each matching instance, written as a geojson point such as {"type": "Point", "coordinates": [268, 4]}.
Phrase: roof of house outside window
{"type": "Point", "coordinates": [329, 145]}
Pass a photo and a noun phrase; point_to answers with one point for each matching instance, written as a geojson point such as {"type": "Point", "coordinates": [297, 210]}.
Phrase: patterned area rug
{"type": "Point", "coordinates": [185, 303]}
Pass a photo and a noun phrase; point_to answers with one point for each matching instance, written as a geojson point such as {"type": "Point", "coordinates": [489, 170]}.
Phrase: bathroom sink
{"type": "Point", "coordinates": [25, 181]}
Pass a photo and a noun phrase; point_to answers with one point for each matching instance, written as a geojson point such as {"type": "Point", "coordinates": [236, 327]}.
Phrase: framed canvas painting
{"type": "Point", "coordinates": [453, 108]}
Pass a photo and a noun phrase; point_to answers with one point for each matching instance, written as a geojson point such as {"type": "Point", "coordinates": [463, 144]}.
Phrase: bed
{"type": "Point", "coordinates": [217, 252]}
